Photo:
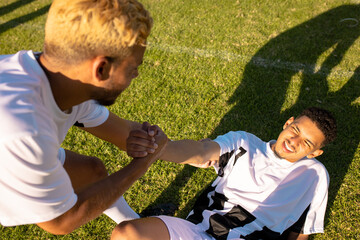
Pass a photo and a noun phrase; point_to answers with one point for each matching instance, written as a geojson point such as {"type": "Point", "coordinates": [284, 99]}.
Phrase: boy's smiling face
{"type": "Point", "coordinates": [300, 137]}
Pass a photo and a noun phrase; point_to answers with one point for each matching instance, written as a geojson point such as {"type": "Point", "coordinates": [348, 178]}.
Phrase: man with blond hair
{"type": "Point", "coordinates": [92, 51]}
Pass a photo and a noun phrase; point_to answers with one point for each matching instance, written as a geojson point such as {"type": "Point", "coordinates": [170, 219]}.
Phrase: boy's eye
{"type": "Point", "coordinates": [295, 130]}
{"type": "Point", "coordinates": [308, 144]}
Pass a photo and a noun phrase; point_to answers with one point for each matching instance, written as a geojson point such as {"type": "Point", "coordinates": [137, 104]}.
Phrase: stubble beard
{"type": "Point", "coordinates": [105, 102]}
{"type": "Point", "coordinates": [107, 98]}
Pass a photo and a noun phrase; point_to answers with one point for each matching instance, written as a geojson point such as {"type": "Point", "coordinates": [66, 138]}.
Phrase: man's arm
{"type": "Point", "coordinates": [116, 130]}
{"type": "Point", "coordinates": [94, 199]}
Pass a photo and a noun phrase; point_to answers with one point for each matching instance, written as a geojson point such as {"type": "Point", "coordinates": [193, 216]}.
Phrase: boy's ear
{"type": "Point", "coordinates": [101, 68]}
{"type": "Point", "coordinates": [288, 122]}
{"type": "Point", "coordinates": [315, 154]}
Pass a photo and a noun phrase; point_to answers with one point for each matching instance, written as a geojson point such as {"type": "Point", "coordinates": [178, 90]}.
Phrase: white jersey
{"type": "Point", "coordinates": [34, 186]}
{"type": "Point", "coordinates": [258, 195]}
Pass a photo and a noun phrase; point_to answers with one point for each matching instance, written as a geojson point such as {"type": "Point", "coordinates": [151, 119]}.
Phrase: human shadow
{"type": "Point", "coordinates": [23, 19]}
{"type": "Point", "coordinates": [12, 6]}
{"type": "Point", "coordinates": [259, 105]}
{"type": "Point", "coordinates": [259, 99]}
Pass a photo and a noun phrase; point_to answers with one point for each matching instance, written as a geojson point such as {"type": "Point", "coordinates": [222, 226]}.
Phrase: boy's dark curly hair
{"type": "Point", "coordinates": [324, 120]}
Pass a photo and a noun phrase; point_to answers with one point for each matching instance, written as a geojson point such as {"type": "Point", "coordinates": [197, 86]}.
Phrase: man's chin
{"type": "Point", "coordinates": [106, 102]}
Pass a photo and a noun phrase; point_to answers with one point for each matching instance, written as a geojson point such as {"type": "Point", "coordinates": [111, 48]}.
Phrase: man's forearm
{"type": "Point", "coordinates": [114, 130]}
{"type": "Point", "coordinates": [96, 198]}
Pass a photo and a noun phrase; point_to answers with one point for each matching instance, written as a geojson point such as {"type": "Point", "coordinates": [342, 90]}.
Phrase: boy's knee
{"type": "Point", "coordinates": [124, 231]}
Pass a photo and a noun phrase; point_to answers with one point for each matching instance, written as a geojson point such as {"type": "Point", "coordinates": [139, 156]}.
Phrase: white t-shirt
{"type": "Point", "coordinates": [34, 186]}
{"type": "Point", "coordinates": [258, 194]}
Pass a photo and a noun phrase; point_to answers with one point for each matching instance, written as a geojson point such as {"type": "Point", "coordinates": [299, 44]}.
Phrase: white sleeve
{"type": "Point", "coordinates": [314, 222]}
{"type": "Point", "coordinates": [34, 186]}
{"type": "Point", "coordinates": [91, 114]}
{"type": "Point", "coordinates": [228, 142]}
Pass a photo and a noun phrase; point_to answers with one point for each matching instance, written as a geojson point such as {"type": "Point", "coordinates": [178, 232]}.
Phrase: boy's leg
{"type": "Point", "coordinates": [160, 227]}
{"type": "Point", "coordinates": [84, 170]}
{"type": "Point", "coordinates": [151, 228]}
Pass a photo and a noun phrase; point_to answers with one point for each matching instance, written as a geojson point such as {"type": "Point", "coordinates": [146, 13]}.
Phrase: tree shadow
{"type": "Point", "coordinates": [12, 6]}
{"type": "Point", "coordinates": [23, 19]}
{"type": "Point", "coordinates": [259, 105]}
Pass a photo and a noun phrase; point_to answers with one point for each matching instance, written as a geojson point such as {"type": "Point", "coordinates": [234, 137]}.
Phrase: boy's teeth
{"type": "Point", "coordinates": [287, 147]}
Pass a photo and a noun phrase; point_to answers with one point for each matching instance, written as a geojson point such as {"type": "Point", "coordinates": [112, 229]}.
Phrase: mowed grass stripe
{"type": "Point", "coordinates": [229, 56]}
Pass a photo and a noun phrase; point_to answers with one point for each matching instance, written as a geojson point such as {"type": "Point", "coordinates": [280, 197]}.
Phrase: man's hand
{"type": "Point", "coordinates": [159, 137]}
{"type": "Point", "coordinates": [146, 140]}
{"type": "Point", "coordinates": [141, 142]}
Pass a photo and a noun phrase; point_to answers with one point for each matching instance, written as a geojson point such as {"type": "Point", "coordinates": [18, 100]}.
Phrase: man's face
{"type": "Point", "coordinates": [120, 77]}
{"type": "Point", "coordinates": [300, 137]}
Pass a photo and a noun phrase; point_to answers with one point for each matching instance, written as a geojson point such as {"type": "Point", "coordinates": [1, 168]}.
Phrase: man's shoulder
{"type": "Point", "coordinates": [8, 61]}
{"type": "Point", "coordinates": [21, 91]}
{"type": "Point", "coordinates": [20, 71]}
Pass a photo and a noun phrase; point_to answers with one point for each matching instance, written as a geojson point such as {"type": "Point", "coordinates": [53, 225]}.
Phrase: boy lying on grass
{"type": "Point", "coordinates": [264, 190]}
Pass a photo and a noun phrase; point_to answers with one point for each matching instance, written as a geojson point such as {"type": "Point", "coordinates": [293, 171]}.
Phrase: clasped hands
{"type": "Point", "coordinates": [150, 139]}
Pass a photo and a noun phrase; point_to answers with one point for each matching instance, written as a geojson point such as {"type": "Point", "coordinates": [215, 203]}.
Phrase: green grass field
{"type": "Point", "coordinates": [215, 66]}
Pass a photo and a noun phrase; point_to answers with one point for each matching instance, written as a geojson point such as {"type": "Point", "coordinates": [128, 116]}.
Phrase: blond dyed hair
{"type": "Point", "coordinates": [77, 30]}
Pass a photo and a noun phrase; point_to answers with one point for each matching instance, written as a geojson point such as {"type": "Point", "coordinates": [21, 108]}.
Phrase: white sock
{"type": "Point", "coordinates": [121, 211]}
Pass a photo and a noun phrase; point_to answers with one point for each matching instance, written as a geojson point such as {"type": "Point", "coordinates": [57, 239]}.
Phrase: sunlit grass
{"type": "Point", "coordinates": [217, 66]}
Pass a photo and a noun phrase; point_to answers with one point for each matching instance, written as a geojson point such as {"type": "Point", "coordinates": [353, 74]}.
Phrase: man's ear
{"type": "Point", "coordinates": [315, 154]}
{"type": "Point", "coordinates": [101, 68]}
{"type": "Point", "coordinates": [288, 122]}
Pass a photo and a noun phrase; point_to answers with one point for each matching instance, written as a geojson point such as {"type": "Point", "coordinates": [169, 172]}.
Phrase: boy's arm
{"type": "Point", "coordinates": [196, 153]}
{"type": "Point", "coordinates": [203, 153]}
{"type": "Point", "coordinates": [297, 236]}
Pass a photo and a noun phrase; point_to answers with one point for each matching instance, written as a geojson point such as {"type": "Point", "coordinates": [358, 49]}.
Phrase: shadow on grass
{"type": "Point", "coordinates": [12, 6]}
{"type": "Point", "coordinates": [260, 97]}
{"type": "Point", "coordinates": [23, 19]}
